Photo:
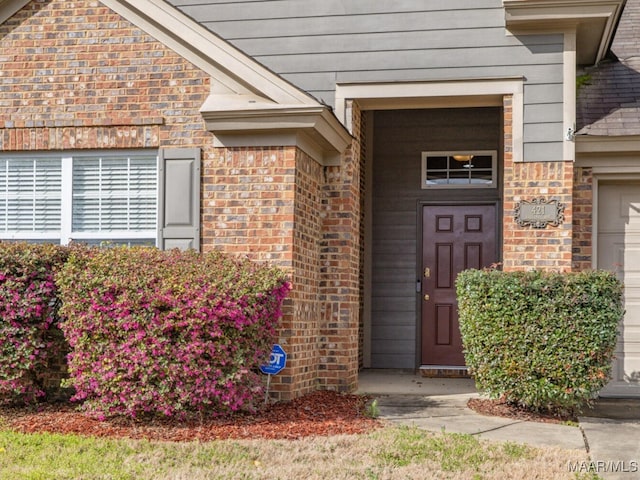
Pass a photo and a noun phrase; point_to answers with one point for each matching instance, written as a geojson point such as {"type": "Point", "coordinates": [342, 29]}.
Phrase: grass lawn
{"type": "Point", "coordinates": [388, 453]}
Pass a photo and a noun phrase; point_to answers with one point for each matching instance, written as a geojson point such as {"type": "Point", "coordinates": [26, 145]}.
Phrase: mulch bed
{"type": "Point", "coordinates": [317, 414]}
{"type": "Point", "coordinates": [499, 408]}
{"type": "Point", "coordinates": [322, 413]}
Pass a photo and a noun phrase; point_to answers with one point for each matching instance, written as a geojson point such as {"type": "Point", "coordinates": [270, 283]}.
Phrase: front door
{"type": "Point", "coordinates": [454, 238]}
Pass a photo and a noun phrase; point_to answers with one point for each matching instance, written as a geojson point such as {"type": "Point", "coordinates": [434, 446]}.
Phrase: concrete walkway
{"type": "Point", "coordinates": [611, 434]}
{"type": "Point", "coordinates": [612, 431]}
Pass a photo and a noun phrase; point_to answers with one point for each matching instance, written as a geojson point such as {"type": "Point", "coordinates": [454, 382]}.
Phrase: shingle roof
{"type": "Point", "coordinates": [609, 104]}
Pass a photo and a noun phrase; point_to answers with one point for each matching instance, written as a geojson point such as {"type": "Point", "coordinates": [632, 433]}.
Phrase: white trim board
{"type": "Point", "coordinates": [438, 94]}
{"type": "Point", "coordinates": [8, 8]}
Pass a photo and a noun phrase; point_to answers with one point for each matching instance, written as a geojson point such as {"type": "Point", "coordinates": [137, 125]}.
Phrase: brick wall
{"type": "Point", "coordinates": [76, 75]}
{"type": "Point", "coordinates": [307, 311]}
{"type": "Point", "coordinates": [526, 248]}
{"type": "Point", "coordinates": [248, 202]}
{"type": "Point", "coordinates": [582, 219]}
{"type": "Point", "coordinates": [340, 260]}
{"type": "Point", "coordinates": [265, 204]}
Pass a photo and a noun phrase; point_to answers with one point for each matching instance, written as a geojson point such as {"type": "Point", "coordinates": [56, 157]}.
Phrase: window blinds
{"type": "Point", "coordinates": [30, 195]}
{"type": "Point", "coordinates": [91, 198]}
{"type": "Point", "coordinates": [114, 194]}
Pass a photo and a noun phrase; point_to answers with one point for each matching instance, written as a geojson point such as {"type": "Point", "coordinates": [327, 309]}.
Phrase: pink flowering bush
{"type": "Point", "coordinates": [28, 319]}
{"type": "Point", "coordinates": [167, 333]}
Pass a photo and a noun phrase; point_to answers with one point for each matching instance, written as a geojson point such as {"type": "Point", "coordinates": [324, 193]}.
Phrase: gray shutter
{"type": "Point", "coordinates": [179, 199]}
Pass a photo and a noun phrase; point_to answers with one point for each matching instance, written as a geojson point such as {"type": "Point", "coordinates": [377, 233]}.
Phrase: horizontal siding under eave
{"type": "Point", "coordinates": [322, 84]}
{"type": "Point", "coordinates": [544, 82]}
{"type": "Point", "coordinates": [398, 60]}
{"type": "Point", "coordinates": [542, 152]}
{"type": "Point", "coordinates": [385, 41]}
{"type": "Point", "coordinates": [535, 74]}
{"type": "Point", "coordinates": [289, 25]}
{"type": "Point", "coordinates": [543, 113]}
{"type": "Point", "coordinates": [541, 132]}
{"type": "Point", "coordinates": [316, 44]}
{"type": "Point", "coordinates": [265, 9]}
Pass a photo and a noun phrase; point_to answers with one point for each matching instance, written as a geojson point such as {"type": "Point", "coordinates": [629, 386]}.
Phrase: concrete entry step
{"type": "Point", "coordinates": [410, 382]}
{"type": "Point", "coordinates": [443, 371]}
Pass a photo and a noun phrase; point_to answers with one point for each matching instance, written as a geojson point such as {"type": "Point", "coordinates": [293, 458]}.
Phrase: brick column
{"type": "Point", "coordinates": [340, 257]}
{"type": "Point", "coordinates": [248, 202]}
{"type": "Point", "coordinates": [306, 312]}
{"type": "Point", "coordinates": [265, 203]}
{"type": "Point", "coordinates": [582, 219]}
{"type": "Point", "coordinates": [526, 248]}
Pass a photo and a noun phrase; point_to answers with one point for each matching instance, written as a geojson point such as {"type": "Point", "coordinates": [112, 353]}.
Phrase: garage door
{"type": "Point", "coordinates": [619, 249]}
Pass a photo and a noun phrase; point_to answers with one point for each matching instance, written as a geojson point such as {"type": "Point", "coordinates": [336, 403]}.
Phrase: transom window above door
{"type": "Point", "coordinates": [459, 169]}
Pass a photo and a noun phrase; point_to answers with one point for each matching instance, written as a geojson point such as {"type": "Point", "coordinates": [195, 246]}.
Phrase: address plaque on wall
{"type": "Point", "coordinates": [539, 212]}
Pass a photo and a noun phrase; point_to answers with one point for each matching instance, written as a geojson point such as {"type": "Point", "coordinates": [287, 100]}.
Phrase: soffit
{"type": "Point", "coordinates": [8, 8]}
{"type": "Point", "coordinates": [594, 21]}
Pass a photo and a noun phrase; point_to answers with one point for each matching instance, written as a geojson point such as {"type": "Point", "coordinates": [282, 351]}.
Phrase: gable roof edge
{"type": "Point", "coordinates": [235, 71]}
{"type": "Point", "coordinates": [594, 20]}
{"type": "Point", "coordinates": [8, 8]}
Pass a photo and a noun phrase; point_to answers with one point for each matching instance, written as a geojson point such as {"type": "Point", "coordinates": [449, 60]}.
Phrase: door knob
{"type": "Point", "coordinates": [426, 297]}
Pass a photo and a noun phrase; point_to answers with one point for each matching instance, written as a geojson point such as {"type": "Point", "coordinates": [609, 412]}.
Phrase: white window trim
{"type": "Point", "coordinates": [66, 200]}
{"type": "Point", "coordinates": [66, 233]}
{"type": "Point", "coordinates": [448, 153]}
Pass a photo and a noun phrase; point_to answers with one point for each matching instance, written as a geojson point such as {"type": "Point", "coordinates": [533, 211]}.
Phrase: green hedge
{"type": "Point", "coordinates": [544, 341]}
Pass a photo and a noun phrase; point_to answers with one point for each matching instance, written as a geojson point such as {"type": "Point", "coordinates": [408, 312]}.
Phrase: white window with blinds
{"type": "Point", "coordinates": [30, 198]}
{"type": "Point", "coordinates": [88, 197]}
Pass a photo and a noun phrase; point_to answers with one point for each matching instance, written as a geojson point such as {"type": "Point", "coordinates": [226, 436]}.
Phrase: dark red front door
{"type": "Point", "coordinates": [454, 238]}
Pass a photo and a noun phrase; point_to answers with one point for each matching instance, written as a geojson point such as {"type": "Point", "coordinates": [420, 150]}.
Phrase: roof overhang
{"type": "Point", "coordinates": [613, 157]}
{"type": "Point", "coordinates": [8, 8]}
{"type": "Point", "coordinates": [595, 22]}
{"type": "Point", "coordinates": [248, 119]}
{"type": "Point", "coordinates": [599, 145]}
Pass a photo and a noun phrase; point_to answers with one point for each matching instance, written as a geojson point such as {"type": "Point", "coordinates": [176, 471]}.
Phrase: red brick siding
{"type": "Point", "coordinates": [526, 248]}
{"type": "Point", "coordinates": [307, 306]}
{"type": "Point", "coordinates": [76, 75]}
{"type": "Point", "coordinates": [248, 202]}
{"type": "Point", "coordinates": [582, 219]}
{"type": "Point", "coordinates": [263, 203]}
{"type": "Point", "coordinates": [340, 256]}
